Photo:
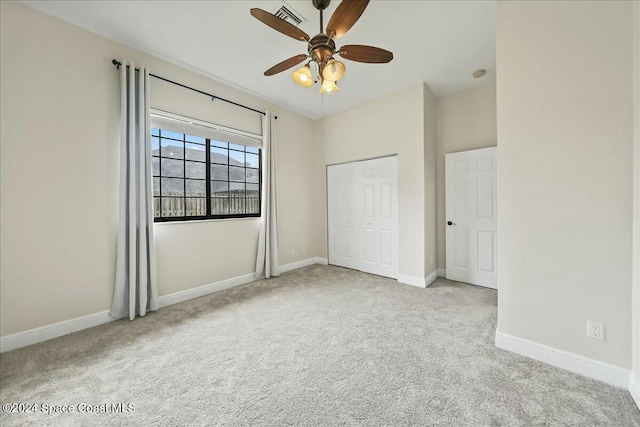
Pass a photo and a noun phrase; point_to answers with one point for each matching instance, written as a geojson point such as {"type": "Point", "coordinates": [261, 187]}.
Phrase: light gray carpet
{"type": "Point", "coordinates": [320, 346]}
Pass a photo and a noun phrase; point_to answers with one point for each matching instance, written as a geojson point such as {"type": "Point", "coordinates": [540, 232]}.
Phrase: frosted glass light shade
{"type": "Point", "coordinates": [329, 87]}
{"type": "Point", "coordinates": [334, 70]}
{"type": "Point", "coordinates": [303, 77]}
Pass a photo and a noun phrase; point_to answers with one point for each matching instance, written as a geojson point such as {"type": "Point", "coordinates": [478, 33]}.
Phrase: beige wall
{"type": "Point", "coordinates": [59, 153]}
{"type": "Point", "coordinates": [636, 207]}
{"type": "Point", "coordinates": [430, 180]}
{"type": "Point", "coordinates": [565, 144]}
{"type": "Point", "coordinates": [466, 121]}
{"type": "Point", "coordinates": [392, 124]}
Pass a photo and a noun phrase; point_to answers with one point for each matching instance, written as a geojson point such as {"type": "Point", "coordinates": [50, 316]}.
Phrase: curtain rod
{"type": "Point", "coordinates": [213, 97]}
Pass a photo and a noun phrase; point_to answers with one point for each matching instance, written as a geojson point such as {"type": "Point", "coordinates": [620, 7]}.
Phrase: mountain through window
{"type": "Point", "coordinates": [198, 178]}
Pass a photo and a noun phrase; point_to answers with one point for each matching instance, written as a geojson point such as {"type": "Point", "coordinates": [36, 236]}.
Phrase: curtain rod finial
{"type": "Point", "coordinates": [116, 63]}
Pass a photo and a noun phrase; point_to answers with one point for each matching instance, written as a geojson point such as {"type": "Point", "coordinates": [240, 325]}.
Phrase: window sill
{"type": "Point", "coordinates": [199, 221]}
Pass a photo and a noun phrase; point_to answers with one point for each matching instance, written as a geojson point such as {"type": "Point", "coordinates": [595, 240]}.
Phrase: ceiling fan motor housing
{"type": "Point", "coordinates": [321, 48]}
{"type": "Point", "coordinates": [321, 4]}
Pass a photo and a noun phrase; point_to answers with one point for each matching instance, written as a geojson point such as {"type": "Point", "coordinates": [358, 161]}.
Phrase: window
{"type": "Point", "coordinates": [197, 177]}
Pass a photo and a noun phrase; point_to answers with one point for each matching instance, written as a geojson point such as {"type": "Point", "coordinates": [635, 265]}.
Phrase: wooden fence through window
{"type": "Point", "coordinates": [175, 205]}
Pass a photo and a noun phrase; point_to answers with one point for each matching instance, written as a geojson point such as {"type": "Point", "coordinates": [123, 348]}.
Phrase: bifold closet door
{"type": "Point", "coordinates": [345, 222]}
{"type": "Point", "coordinates": [363, 215]}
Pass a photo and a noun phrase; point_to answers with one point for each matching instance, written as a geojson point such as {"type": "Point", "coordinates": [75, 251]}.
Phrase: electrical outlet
{"type": "Point", "coordinates": [595, 330]}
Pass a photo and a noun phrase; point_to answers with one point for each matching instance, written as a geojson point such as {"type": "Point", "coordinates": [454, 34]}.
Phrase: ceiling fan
{"type": "Point", "coordinates": [322, 48]}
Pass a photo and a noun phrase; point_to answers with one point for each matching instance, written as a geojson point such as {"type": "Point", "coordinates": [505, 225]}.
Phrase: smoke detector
{"type": "Point", "coordinates": [479, 73]}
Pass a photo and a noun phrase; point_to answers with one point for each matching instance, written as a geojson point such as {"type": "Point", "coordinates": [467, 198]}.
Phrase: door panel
{"type": "Point", "coordinates": [461, 259]}
{"type": "Point", "coordinates": [486, 250]}
{"type": "Point", "coordinates": [486, 199]}
{"type": "Point", "coordinates": [461, 197]}
{"type": "Point", "coordinates": [471, 216]}
{"type": "Point", "coordinates": [386, 248]}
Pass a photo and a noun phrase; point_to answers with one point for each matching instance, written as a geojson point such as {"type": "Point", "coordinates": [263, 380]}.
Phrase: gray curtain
{"type": "Point", "coordinates": [267, 259]}
{"type": "Point", "coordinates": [135, 286]}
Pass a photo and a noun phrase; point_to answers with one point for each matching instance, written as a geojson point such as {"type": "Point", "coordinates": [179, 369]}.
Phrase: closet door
{"type": "Point", "coordinates": [363, 215]}
{"type": "Point", "coordinates": [344, 215]}
{"type": "Point", "coordinates": [379, 216]}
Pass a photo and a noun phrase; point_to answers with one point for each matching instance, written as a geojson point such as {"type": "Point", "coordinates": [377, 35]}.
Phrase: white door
{"type": "Point", "coordinates": [471, 229]}
{"type": "Point", "coordinates": [379, 216]}
{"type": "Point", "coordinates": [345, 223]}
{"type": "Point", "coordinates": [362, 215]}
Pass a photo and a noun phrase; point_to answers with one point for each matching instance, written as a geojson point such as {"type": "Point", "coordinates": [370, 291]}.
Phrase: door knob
{"type": "Point", "coordinates": [451, 223]}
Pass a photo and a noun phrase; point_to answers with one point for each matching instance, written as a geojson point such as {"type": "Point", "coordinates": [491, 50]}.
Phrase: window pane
{"type": "Point", "coordinates": [196, 188]}
{"type": "Point", "coordinates": [196, 152]}
{"type": "Point", "coordinates": [155, 146]}
{"type": "Point", "coordinates": [219, 155]}
{"type": "Point", "coordinates": [172, 149]}
{"type": "Point", "coordinates": [236, 147]}
{"type": "Point", "coordinates": [156, 207]}
{"type": "Point", "coordinates": [219, 206]}
{"type": "Point", "coordinates": [236, 158]}
{"type": "Point", "coordinates": [236, 174]}
{"type": "Point", "coordinates": [219, 144]}
{"type": "Point", "coordinates": [173, 168]}
{"type": "Point", "coordinates": [253, 160]}
{"type": "Point", "coordinates": [253, 190]}
{"type": "Point", "coordinates": [220, 189]}
{"type": "Point", "coordinates": [236, 204]}
{"type": "Point", "coordinates": [236, 187]}
{"type": "Point", "coordinates": [253, 175]}
{"type": "Point", "coordinates": [172, 206]}
{"type": "Point", "coordinates": [174, 135]}
{"type": "Point", "coordinates": [196, 170]}
{"type": "Point", "coordinates": [220, 172]}
{"type": "Point", "coordinates": [253, 198]}
{"type": "Point", "coordinates": [252, 150]}
{"type": "Point", "coordinates": [156, 186]}
{"type": "Point", "coordinates": [192, 138]}
{"type": "Point", "coordinates": [196, 206]}
{"type": "Point", "coordinates": [172, 187]}
{"type": "Point", "coordinates": [155, 131]}
{"type": "Point", "coordinates": [155, 166]}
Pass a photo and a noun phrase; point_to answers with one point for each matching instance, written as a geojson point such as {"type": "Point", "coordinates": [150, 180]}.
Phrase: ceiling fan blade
{"type": "Point", "coordinates": [285, 65]}
{"type": "Point", "coordinates": [347, 13]}
{"type": "Point", "coordinates": [368, 54]}
{"type": "Point", "coordinates": [279, 24]}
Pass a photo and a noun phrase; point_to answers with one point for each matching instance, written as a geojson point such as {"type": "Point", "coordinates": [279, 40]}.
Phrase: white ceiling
{"type": "Point", "coordinates": [440, 43]}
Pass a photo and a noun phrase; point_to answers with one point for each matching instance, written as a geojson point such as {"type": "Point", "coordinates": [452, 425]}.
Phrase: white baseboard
{"type": "Point", "coordinates": [201, 291]}
{"type": "Point", "coordinates": [601, 371]}
{"type": "Point", "coordinates": [431, 278]}
{"type": "Point", "coordinates": [405, 279]}
{"type": "Point", "coordinates": [303, 263]}
{"type": "Point", "coordinates": [420, 282]}
{"type": "Point", "coordinates": [634, 388]}
{"type": "Point", "coordinates": [55, 330]}
{"type": "Point", "coordinates": [442, 272]}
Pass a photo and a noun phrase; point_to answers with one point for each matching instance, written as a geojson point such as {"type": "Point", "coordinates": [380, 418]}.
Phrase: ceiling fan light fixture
{"type": "Point", "coordinates": [329, 86]}
{"type": "Point", "coordinates": [302, 76]}
{"type": "Point", "coordinates": [334, 70]}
